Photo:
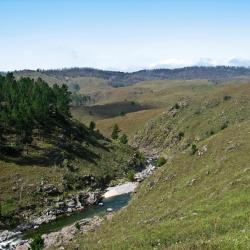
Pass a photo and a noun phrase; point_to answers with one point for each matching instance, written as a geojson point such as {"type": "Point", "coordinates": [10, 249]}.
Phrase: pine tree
{"type": "Point", "coordinates": [115, 132]}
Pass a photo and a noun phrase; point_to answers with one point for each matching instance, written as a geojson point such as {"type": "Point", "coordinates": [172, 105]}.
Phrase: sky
{"type": "Point", "coordinates": [123, 35]}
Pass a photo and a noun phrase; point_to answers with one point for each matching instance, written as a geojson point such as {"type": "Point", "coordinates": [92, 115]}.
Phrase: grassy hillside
{"type": "Point", "coordinates": [193, 202]}
{"type": "Point", "coordinates": [200, 198]}
{"type": "Point", "coordinates": [140, 103]}
{"type": "Point", "coordinates": [63, 162]}
{"type": "Point", "coordinates": [43, 148]}
{"type": "Point", "coordinates": [129, 123]}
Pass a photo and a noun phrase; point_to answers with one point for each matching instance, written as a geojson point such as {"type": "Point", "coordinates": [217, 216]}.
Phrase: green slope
{"type": "Point", "coordinates": [196, 200]}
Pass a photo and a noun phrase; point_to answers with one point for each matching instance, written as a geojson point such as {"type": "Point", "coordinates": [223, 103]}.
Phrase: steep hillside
{"type": "Point", "coordinates": [45, 155]}
{"type": "Point", "coordinates": [196, 117]}
{"type": "Point", "coordinates": [193, 202]}
{"type": "Point", "coordinates": [200, 198]}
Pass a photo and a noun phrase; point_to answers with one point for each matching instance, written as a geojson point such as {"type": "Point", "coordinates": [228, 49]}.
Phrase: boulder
{"type": "Point", "coordinates": [92, 198]}
{"type": "Point", "coordinates": [50, 189]}
{"type": "Point", "coordinates": [110, 210]}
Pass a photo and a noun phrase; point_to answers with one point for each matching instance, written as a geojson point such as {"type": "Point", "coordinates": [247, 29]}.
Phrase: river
{"type": "Point", "coordinates": [115, 198]}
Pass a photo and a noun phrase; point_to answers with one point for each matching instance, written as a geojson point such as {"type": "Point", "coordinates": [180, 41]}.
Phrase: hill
{"type": "Point", "coordinates": [199, 198]}
{"type": "Point", "coordinates": [46, 156]}
{"type": "Point", "coordinates": [119, 79]}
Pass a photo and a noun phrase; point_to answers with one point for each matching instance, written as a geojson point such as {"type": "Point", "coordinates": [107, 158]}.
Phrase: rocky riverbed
{"type": "Point", "coordinates": [62, 238]}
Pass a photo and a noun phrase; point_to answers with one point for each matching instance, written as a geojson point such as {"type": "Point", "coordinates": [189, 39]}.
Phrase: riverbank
{"type": "Point", "coordinates": [108, 198]}
{"type": "Point", "coordinates": [62, 238]}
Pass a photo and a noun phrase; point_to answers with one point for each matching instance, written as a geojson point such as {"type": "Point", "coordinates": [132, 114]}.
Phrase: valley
{"type": "Point", "coordinates": [200, 129]}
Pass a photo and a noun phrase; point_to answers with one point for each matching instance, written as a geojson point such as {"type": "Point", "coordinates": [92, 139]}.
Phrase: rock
{"type": "Point", "coordinates": [100, 204]}
{"type": "Point", "coordinates": [69, 210]}
{"type": "Point", "coordinates": [92, 198]}
{"type": "Point", "coordinates": [6, 235]}
{"type": "Point", "coordinates": [24, 227]}
{"type": "Point", "coordinates": [71, 204]}
{"type": "Point", "coordinates": [50, 189]}
{"type": "Point", "coordinates": [146, 172]}
{"type": "Point", "coordinates": [60, 204]}
{"type": "Point", "coordinates": [46, 218]}
{"type": "Point", "coordinates": [110, 210]}
{"type": "Point", "coordinates": [192, 182]}
{"type": "Point", "coordinates": [202, 151]}
{"type": "Point", "coordinates": [62, 238]}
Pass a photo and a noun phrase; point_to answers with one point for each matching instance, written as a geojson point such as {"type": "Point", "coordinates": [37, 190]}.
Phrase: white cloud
{"type": "Point", "coordinates": [172, 63]}
{"type": "Point", "coordinates": [240, 62]}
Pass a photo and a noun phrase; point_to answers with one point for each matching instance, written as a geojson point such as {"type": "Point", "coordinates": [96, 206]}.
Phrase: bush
{"type": "Point", "coordinates": [227, 97]}
{"type": "Point", "coordinates": [131, 175]}
{"type": "Point", "coordinates": [37, 243]}
{"type": "Point", "coordinates": [77, 226]}
{"type": "Point", "coordinates": [212, 132]}
{"type": "Point", "coordinates": [176, 106]}
{"type": "Point", "coordinates": [224, 125]}
{"type": "Point", "coordinates": [92, 125]}
{"type": "Point", "coordinates": [180, 135]}
{"type": "Point", "coordinates": [194, 149]}
{"type": "Point", "coordinates": [161, 161]}
{"type": "Point", "coordinates": [123, 139]}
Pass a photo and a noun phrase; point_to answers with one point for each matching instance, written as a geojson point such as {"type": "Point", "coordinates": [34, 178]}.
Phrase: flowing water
{"type": "Point", "coordinates": [116, 203]}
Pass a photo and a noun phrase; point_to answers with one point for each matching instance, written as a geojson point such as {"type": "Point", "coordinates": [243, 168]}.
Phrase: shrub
{"type": "Point", "coordinates": [176, 106]}
{"type": "Point", "coordinates": [131, 175]}
{"type": "Point", "coordinates": [194, 149]}
{"type": "Point", "coordinates": [161, 161]}
{"type": "Point", "coordinates": [37, 243]}
{"type": "Point", "coordinates": [224, 125]}
{"type": "Point", "coordinates": [180, 135]}
{"type": "Point", "coordinates": [92, 125]}
{"type": "Point", "coordinates": [77, 226]}
{"type": "Point", "coordinates": [227, 97]}
{"type": "Point", "coordinates": [123, 139]}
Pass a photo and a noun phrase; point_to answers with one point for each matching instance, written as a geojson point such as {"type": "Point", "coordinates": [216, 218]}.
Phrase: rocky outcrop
{"type": "Point", "coordinates": [6, 235]}
{"type": "Point", "coordinates": [146, 172]}
{"type": "Point", "coordinates": [51, 190]}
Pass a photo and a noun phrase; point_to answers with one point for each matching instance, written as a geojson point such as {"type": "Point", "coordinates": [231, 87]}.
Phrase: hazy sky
{"type": "Point", "coordinates": [123, 34]}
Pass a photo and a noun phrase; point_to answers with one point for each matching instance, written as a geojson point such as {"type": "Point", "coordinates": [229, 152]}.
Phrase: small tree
{"type": "Point", "coordinates": [124, 139]}
{"type": "Point", "coordinates": [92, 125]}
{"type": "Point", "coordinates": [115, 132]}
{"type": "Point", "coordinates": [37, 243]}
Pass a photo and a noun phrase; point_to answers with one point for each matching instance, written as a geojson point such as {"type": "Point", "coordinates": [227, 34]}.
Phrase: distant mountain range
{"type": "Point", "coordinates": [119, 79]}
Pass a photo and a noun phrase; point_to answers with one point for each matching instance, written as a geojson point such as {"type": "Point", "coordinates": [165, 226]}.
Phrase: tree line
{"type": "Point", "coordinates": [28, 104]}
